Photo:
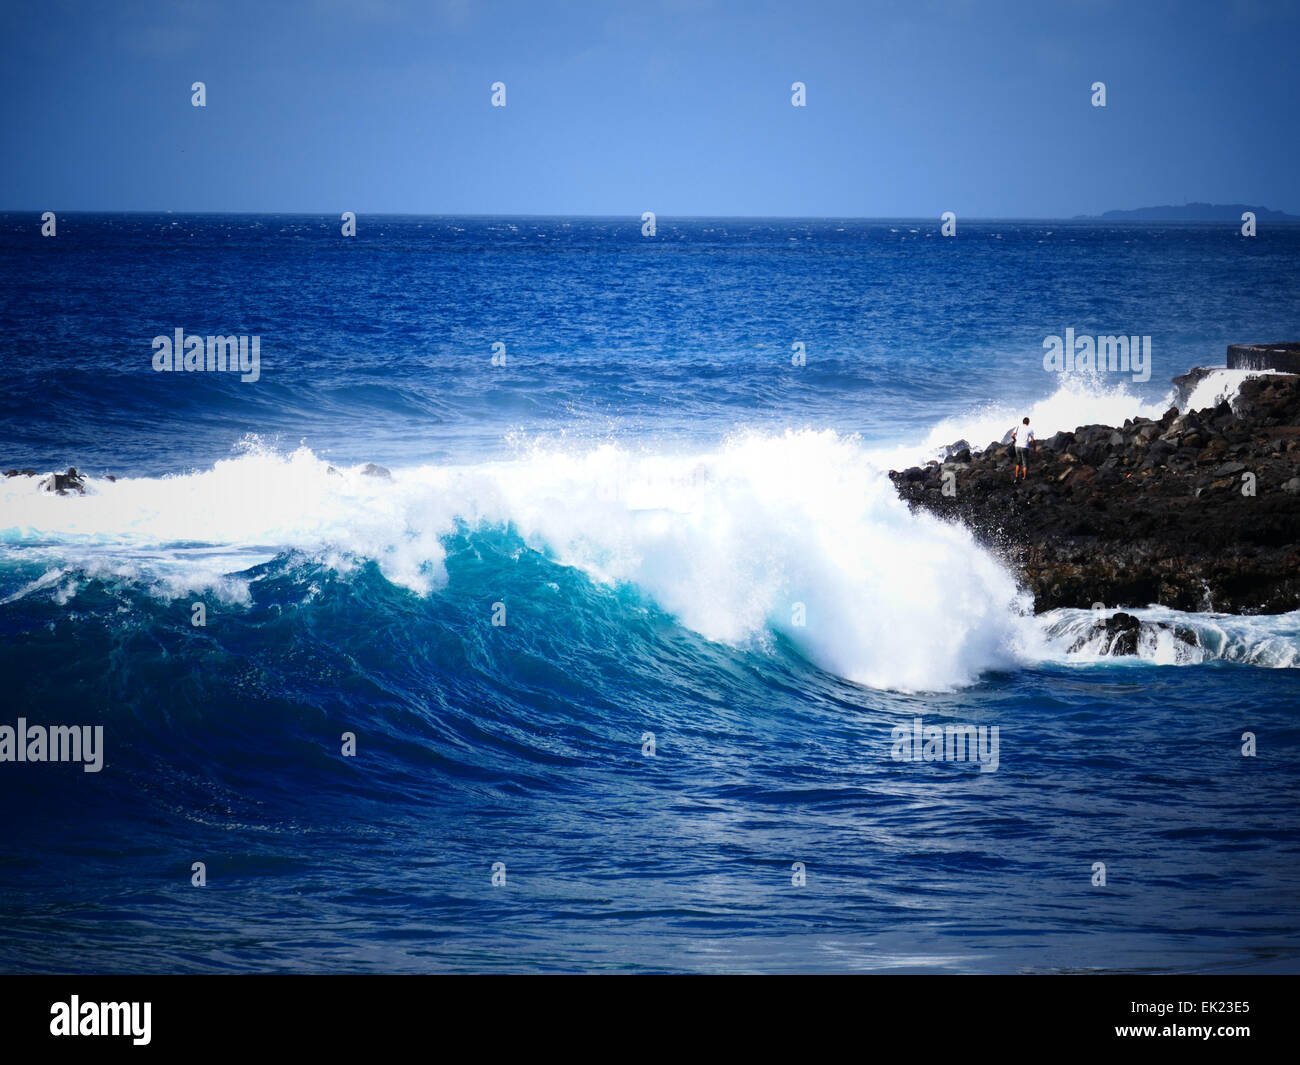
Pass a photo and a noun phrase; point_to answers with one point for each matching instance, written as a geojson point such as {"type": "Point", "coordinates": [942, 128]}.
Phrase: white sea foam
{"type": "Point", "coordinates": [1079, 399]}
{"type": "Point", "coordinates": [1215, 387]}
{"type": "Point", "coordinates": [729, 542]}
{"type": "Point", "coordinates": [1271, 641]}
{"type": "Point", "coordinates": [737, 543]}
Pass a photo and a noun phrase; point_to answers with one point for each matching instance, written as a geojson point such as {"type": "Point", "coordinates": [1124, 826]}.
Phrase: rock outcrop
{"type": "Point", "coordinates": [1196, 511]}
{"type": "Point", "coordinates": [63, 483]}
{"type": "Point", "coordinates": [60, 483]}
{"type": "Point", "coordinates": [1120, 633]}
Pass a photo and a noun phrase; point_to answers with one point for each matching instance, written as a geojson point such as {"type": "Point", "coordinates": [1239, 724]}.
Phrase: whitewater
{"type": "Point", "coordinates": [797, 533]}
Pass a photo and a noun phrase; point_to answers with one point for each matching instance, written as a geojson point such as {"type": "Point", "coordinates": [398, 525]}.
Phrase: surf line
{"type": "Point", "coordinates": [57, 743]}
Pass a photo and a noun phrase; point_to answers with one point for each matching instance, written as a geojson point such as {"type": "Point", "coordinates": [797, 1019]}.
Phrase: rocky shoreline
{"type": "Point", "coordinates": [1196, 511]}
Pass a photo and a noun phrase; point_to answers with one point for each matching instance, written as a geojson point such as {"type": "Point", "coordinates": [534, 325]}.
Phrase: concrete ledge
{"type": "Point", "coordinates": [1284, 356]}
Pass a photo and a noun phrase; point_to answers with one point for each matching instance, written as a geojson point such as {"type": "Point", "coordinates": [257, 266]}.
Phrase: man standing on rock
{"type": "Point", "coordinates": [1023, 437]}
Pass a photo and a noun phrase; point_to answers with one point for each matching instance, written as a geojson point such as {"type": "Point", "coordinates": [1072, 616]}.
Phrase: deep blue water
{"type": "Point", "coordinates": [648, 486]}
{"type": "Point", "coordinates": [379, 346]}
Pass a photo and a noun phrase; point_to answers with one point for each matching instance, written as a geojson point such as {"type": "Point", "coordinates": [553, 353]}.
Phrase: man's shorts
{"type": "Point", "coordinates": [1022, 456]}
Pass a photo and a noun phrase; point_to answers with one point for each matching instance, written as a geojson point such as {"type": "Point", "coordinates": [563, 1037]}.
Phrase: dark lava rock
{"type": "Point", "coordinates": [1122, 632]}
{"type": "Point", "coordinates": [63, 483]}
{"type": "Point", "coordinates": [1159, 517]}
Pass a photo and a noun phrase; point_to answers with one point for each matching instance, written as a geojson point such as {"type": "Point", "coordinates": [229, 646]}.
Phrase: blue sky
{"type": "Point", "coordinates": [683, 108]}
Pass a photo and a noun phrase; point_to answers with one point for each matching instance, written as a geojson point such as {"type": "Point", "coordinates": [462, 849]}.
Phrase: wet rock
{"type": "Point", "coordinates": [372, 470]}
{"type": "Point", "coordinates": [63, 483]}
{"type": "Point", "coordinates": [1273, 399]}
{"type": "Point", "coordinates": [1121, 634]}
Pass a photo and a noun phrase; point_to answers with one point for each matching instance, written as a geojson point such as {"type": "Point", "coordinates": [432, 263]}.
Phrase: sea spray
{"type": "Point", "coordinates": [1079, 399]}
{"type": "Point", "coordinates": [792, 534]}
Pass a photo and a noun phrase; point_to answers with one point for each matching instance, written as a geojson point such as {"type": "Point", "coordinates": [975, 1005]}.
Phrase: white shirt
{"type": "Point", "coordinates": [1023, 435]}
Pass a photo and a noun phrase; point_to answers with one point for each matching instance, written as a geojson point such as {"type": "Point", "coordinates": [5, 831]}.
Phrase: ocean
{"type": "Point", "coordinates": [605, 669]}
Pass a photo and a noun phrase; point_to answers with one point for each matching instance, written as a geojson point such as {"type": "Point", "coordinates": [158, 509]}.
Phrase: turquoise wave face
{"type": "Point", "coordinates": [645, 790]}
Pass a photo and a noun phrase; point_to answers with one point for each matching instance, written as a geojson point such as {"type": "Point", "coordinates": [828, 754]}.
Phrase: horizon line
{"type": "Point", "coordinates": [1291, 219]}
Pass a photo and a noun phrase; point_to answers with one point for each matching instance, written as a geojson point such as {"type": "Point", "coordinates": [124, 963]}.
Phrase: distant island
{"type": "Point", "coordinates": [1193, 212]}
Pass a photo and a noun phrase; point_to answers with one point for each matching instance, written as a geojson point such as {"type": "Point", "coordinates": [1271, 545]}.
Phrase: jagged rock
{"type": "Point", "coordinates": [1270, 400]}
{"type": "Point", "coordinates": [63, 483]}
{"type": "Point", "coordinates": [1123, 632]}
{"type": "Point", "coordinates": [1152, 514]}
